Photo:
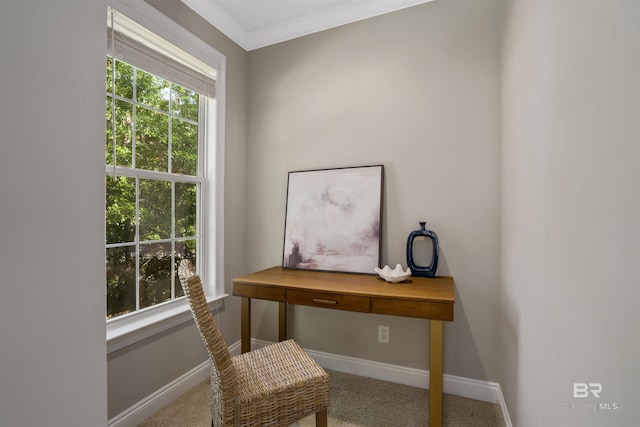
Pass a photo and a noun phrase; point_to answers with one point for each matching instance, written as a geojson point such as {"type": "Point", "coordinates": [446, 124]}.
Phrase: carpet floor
{"type": "Point", "coordinates": [355, 401]}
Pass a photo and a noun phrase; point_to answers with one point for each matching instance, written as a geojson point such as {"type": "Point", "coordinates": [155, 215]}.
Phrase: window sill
{"type": "Point", "coordinates": [129, 329]}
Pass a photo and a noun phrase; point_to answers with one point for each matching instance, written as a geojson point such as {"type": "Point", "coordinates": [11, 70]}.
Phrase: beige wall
{"type": "Point", "coordinates": [417, 91]}
{"type": "Point", "coordinates": [52, 275]}
{"type": "Point", "coordinates": [569, 298]}
{"type": "Point", "coordinates": [139, 370]}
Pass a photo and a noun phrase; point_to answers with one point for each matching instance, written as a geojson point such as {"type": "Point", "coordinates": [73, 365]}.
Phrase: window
{"type": "Point", "coordinates": [153, 186]}
{"type": "Point", "coordinates": [163, 175]}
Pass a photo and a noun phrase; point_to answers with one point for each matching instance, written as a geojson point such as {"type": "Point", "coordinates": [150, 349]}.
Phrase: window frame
{"type": "Point", "coordinates": [127, 329]}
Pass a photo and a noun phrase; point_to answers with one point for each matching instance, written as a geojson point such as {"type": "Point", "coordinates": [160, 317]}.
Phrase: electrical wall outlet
{"type": "Point", "coordinates": [383, 334]}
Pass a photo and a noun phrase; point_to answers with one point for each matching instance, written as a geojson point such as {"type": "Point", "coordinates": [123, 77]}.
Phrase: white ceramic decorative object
{"type": "Point", "coordinates": [394, 276]}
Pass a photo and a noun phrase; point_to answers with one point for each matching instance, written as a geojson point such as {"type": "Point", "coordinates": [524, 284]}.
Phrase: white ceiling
{"type": "Point", "coordinates": [257, 23]}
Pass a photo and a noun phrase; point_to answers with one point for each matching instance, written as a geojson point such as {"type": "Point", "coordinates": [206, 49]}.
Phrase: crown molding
{"type": "Point", "coordinates": [220, 19]}
{"type": "Point", "coordinates": [250, 40]}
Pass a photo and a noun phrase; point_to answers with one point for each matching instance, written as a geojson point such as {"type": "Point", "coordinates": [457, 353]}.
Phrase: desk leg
{"type": "Point", "coordinates": [435, 374]}
{"type": "Point", "coordinates": [282, 321]}
{"type": "Point", "coordinates": [245, 325]}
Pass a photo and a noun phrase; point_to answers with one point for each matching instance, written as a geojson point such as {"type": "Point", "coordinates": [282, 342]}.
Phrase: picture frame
{"type": "Point", "coordinates": [333, 219]}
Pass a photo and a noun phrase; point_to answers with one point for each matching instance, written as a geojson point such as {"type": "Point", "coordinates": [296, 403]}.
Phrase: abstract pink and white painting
{"type": "Point", "coordinates": [333, 219]}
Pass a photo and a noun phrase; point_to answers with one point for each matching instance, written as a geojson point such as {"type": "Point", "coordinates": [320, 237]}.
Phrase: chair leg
{"type": "Point", "coordinates": [321, 418]}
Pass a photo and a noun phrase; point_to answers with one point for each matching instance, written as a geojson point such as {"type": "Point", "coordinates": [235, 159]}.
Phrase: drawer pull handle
{"type": "Point", "coordinates": [324, 301]}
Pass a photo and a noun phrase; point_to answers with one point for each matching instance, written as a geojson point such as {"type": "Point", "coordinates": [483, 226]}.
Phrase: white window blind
{"type": "Point", "coordinates": [141, 49]}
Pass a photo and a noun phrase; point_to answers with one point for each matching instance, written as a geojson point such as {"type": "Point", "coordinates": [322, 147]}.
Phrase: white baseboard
{"type": "Point", "coordinates": [503, 407]}
{"type": "Point", "coordinates": [459, 386]}
{"type": "Point", "coordinates": [148, 406]}
{"type": "Point", "coordinates": [485, 391]}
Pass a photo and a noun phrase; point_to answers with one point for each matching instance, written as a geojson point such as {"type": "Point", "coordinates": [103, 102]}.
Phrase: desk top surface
{"type": "Point", "coordinates": [439, 289]}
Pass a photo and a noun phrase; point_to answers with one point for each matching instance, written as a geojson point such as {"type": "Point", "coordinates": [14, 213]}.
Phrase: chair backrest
{"type": "Point", "coordinates": [224, 389]}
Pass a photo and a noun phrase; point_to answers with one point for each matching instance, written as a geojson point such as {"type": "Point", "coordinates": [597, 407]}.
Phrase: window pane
{"type": "Point", "coordinates": [121, 209]}
{"type": "Point", "coordinates": [184, 147]}
{"type": "Point", "coordinates": [184, 103]}
{"type": "Point", "coordinates": [109, 131]}
{"type": "Point", "coordinates": [152, 140]}
{"type": "Point", "coordinates": [155, 209]}
{"type": "Point", "coordinates": [123, 78]}
{"type": "Point", "coordinates": [109, 74]}
{"type": "Point", "coordinates": [121, 280]}
{"type": "Point", "coordinates": [155, 274]}
{"type": "Point", "coordinates": [186, 197]}
{"type": "Point", "coordinates": [152, 91]}
{"type": "Point", "coordinates": [185, 249]}
{"type": "Point", "coordinates": [124, 132]}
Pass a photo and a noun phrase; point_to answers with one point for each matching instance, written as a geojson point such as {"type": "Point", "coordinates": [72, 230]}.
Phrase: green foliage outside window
{"type": "Point", "coordinates": [151, 223]}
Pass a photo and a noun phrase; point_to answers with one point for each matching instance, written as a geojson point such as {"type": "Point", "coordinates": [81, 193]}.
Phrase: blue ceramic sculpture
{"type": "Point", "coordinates": [419, 270]}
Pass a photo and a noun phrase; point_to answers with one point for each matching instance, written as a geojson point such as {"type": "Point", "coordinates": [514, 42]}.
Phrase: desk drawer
{"type": "Point", "coordinates": [261, 292]}
{"type": "Point", "coordinates": [409, 308]}
{"type": "Point", "coordinates": [328, 300]}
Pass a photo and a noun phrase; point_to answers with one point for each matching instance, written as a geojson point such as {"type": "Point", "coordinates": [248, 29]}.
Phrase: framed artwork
{"type": "Point", "coordinates": [333, 219]}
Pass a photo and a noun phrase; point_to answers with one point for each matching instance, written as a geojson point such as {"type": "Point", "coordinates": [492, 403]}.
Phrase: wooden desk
{"type": "Point", "coordinates": [420, 297]}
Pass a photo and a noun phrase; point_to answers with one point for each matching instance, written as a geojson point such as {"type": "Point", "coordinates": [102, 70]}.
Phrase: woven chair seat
{"type": "Point", "coordinates": [278, 385]}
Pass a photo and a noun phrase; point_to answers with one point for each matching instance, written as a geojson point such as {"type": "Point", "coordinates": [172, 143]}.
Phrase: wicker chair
{"type": "Point", "coordinates": [275, 385]}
